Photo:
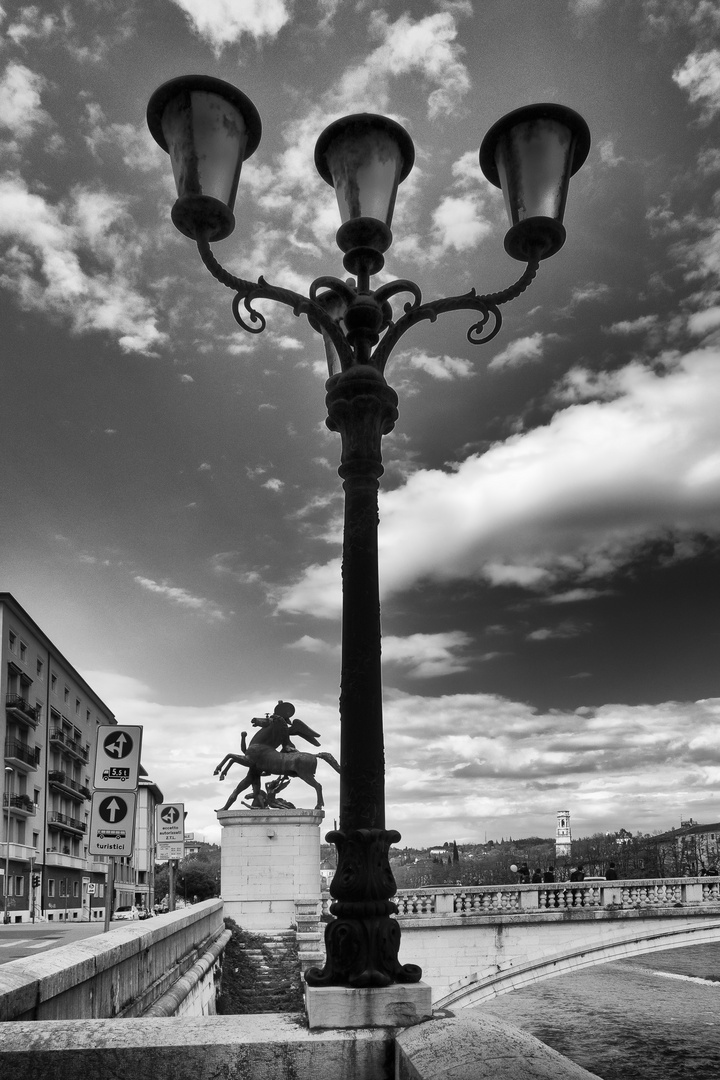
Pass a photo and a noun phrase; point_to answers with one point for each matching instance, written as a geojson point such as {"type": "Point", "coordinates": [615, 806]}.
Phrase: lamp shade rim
{"type": "Point", "coordinates": [331, 132]}
{"type": "Point", "coordinates": [207, 84]}
{"type": "Point", "coordinates": [548, 110]}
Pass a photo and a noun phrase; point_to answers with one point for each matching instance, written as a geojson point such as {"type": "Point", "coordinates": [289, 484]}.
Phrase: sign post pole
{"type": "Point", "coordinates": [110, 892]}
{"type": "Point", "coordinates": [171, 884]}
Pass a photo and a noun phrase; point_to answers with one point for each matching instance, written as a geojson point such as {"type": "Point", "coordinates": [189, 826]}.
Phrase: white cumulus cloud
{"type": "Point", "coordinates": [221, 22]}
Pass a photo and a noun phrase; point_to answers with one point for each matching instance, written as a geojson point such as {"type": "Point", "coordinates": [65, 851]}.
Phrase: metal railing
{"type": "Point", "coordinates": [57, 776]}
{"type": "Point", "coordinates": [19, 704]}
{"type": "Point", "coordinates": [19, 802]}
{"type": "Point", "coordinates": [56, 818]}
{"type": "Point", "coordinates": [58, 736]}
{"type": "Point", "coordinates": [30, 755]}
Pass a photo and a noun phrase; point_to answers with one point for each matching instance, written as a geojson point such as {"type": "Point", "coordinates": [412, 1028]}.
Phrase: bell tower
{"type": "Point", "coordinates": [563, 839]}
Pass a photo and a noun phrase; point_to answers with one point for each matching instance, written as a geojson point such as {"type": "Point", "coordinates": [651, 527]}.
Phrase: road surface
{"type": "Point", "coordinates": [29, 939]}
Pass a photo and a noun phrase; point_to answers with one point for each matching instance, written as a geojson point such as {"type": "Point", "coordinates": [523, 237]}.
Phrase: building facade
{"type": "Point", "coordinates": [691, 850]}
{"type": "Point", "coordinates": [48, 726]}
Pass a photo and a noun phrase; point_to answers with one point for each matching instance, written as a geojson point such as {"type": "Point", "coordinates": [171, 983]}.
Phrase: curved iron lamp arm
{"type": "Point", "coordinates": [247, 291]}
{"type": "Point", "coordinates": [488, 305]}
{"type": "Point", "coordinates": [321, 320]}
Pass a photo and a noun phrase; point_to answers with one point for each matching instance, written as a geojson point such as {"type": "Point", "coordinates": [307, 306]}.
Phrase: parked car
{"type": "Point", "coordinates": [125, 912]}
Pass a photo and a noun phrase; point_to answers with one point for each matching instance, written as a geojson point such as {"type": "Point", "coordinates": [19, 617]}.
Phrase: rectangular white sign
{"type": "Point", "coordinates": [117, 757]}
{"type": "Point", "coordinates": [112, 822]}
{"type": "Point", "coordinates": [170, 851]}
{"type": "Point", "coordinates": [170, 823]}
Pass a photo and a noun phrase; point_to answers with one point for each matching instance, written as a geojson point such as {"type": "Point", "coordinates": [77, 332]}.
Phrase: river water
{"type": "Point", "coordinates": [653, 1017]}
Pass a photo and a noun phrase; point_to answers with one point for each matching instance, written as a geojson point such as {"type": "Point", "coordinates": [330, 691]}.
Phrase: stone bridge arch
{"type": "Point", "coordinates": [645, 937]}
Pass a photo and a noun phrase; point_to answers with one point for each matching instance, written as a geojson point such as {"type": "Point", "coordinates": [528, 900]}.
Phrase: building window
{"type": "Point", "coordinates": [12, 641]}
{"type": "Point", "coordinates": [23, 652]}
{"type": "Point", "coordinates": [66, 694]}
{"type": "Point", "coordinates": [63, 883]}
{"type": "Point", "coordinates": [17, 885]}
{"type": "Point", "coordinates": [39, 709]}
{"type": "Point", "coordinates": [53, 683]}
{"type": "Point", "coordinates": [76, 888]}
{"type": "Point", "coordinates": [51, 887]}
{"type": "Point", "coordinates": [77, 706]}
{"type": "Point", "coordinates": [87, 716]}
{"type": "Point", "coordinates": [100, 890]}
{"type": "Point", "coordinates": [39, 668]}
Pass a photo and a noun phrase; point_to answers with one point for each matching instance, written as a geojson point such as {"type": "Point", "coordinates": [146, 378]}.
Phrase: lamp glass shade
{"type": "Point", "coordinates": [365, 157]}
{"type": "Point", "coordinates": [208, 128]}
{"type": "Point", "coordinates": [533, 162]}
{"type": "Point", "coordinates": [206, 137]}
{"type": "Point", "coordinates": [531, 154]}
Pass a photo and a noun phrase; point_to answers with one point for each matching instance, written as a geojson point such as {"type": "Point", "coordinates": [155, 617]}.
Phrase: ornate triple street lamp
{"type": "Point", "coordinates": [209, 128]}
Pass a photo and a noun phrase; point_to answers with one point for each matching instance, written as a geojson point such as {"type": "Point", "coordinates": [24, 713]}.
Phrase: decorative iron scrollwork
{"type": "Point", "coordinates": [331, 302]}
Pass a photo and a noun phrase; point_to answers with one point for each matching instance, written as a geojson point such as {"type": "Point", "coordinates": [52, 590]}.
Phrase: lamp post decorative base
{"type": "Point", "coordinates": [362, 942]}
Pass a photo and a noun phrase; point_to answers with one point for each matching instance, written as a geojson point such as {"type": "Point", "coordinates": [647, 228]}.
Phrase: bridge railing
{"type": "Point", "coordinates": [525, 899]}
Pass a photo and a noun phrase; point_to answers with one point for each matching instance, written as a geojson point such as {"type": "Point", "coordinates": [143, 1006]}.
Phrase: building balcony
{"type": "Point", "coordinates": [65, 823]}
{"type": "Point", "coordinates": [62, 782]}
{"type": "Point", "coordinates": [21, 805]}
{"type": "Point", "coordinates": [21, 755]}
{"type": "Point", "coordinates": [20, 709]}
{"type": "Point", "coordinates": [76, 749]}
{"type": "Point", "coordinates": [62, 859]}
{"type": "Point", "coordinates": [18, 852]}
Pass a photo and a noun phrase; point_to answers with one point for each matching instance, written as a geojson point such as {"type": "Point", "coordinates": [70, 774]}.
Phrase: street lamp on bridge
{"type": "Point", "coordinates": [209, 128]}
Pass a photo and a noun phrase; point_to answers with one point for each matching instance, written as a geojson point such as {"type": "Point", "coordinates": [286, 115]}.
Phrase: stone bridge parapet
{"type": "Point", "coordinates": [631, 894]}
{"type": "Point", "coordinates": [164, 966]}
{"type": "Point", "coordinates": [474, 943]}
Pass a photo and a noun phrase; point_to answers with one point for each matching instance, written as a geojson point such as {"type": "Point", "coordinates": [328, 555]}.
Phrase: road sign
{"type": "Point", "coordinates": [91, 887]}
{"type": "Point", "coordinates": [171, 824]}
{"type": "Point", "coordinates": [170, 851]}
{"type": "Point", "coordinates": [112, 822]}
{"type": "Point", "coordinates": [117, 757]}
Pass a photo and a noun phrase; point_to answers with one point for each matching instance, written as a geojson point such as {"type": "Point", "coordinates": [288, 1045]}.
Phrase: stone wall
{"type": "Point", "coordinates": [261, 973]}
{"type": "Point", "coordinates": [118, 974]}
{"type": "Point", "coordinates": [276, 1046]}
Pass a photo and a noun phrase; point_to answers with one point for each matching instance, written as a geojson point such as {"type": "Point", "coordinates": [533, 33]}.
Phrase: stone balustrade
{"type": "Point", "coordinates": [561, 896]}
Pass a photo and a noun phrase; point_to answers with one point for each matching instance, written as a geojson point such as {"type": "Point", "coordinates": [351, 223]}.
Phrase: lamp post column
{"type": "Point", "coordinates": [362, 941]}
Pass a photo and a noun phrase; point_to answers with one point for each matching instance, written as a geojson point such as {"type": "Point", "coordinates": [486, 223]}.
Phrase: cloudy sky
{"type": "Point", "coordinates": [550, 511]}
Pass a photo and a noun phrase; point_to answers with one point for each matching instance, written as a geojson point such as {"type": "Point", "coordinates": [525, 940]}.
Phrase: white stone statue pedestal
{"type": "Point", "coordinates": [270, 859]}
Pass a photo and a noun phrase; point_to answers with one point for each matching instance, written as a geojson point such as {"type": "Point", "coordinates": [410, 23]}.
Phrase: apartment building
{"type": "Point", "coordinates": [48, 728]}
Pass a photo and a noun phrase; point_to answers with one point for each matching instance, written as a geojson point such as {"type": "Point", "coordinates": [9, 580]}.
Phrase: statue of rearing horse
{"type": "Point", "coordinates": [261, 756]}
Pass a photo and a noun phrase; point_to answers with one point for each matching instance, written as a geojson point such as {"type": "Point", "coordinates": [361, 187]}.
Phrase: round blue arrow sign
{"type": "Point", "coordinates": [113, 809]}
{"type": "Point", "coordinates": [118, 745]}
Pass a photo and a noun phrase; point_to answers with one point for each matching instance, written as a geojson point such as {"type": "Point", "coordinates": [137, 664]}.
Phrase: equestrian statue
{"type": "Point", "coordinates": [261, 757]}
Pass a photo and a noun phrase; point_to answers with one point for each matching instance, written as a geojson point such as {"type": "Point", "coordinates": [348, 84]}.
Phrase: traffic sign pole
{"type": "Point", "coordinates": [110, 889]}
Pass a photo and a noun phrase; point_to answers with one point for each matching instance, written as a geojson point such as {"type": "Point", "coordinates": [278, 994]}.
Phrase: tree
{"type": "Point", "coordinates": [456, 854]}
